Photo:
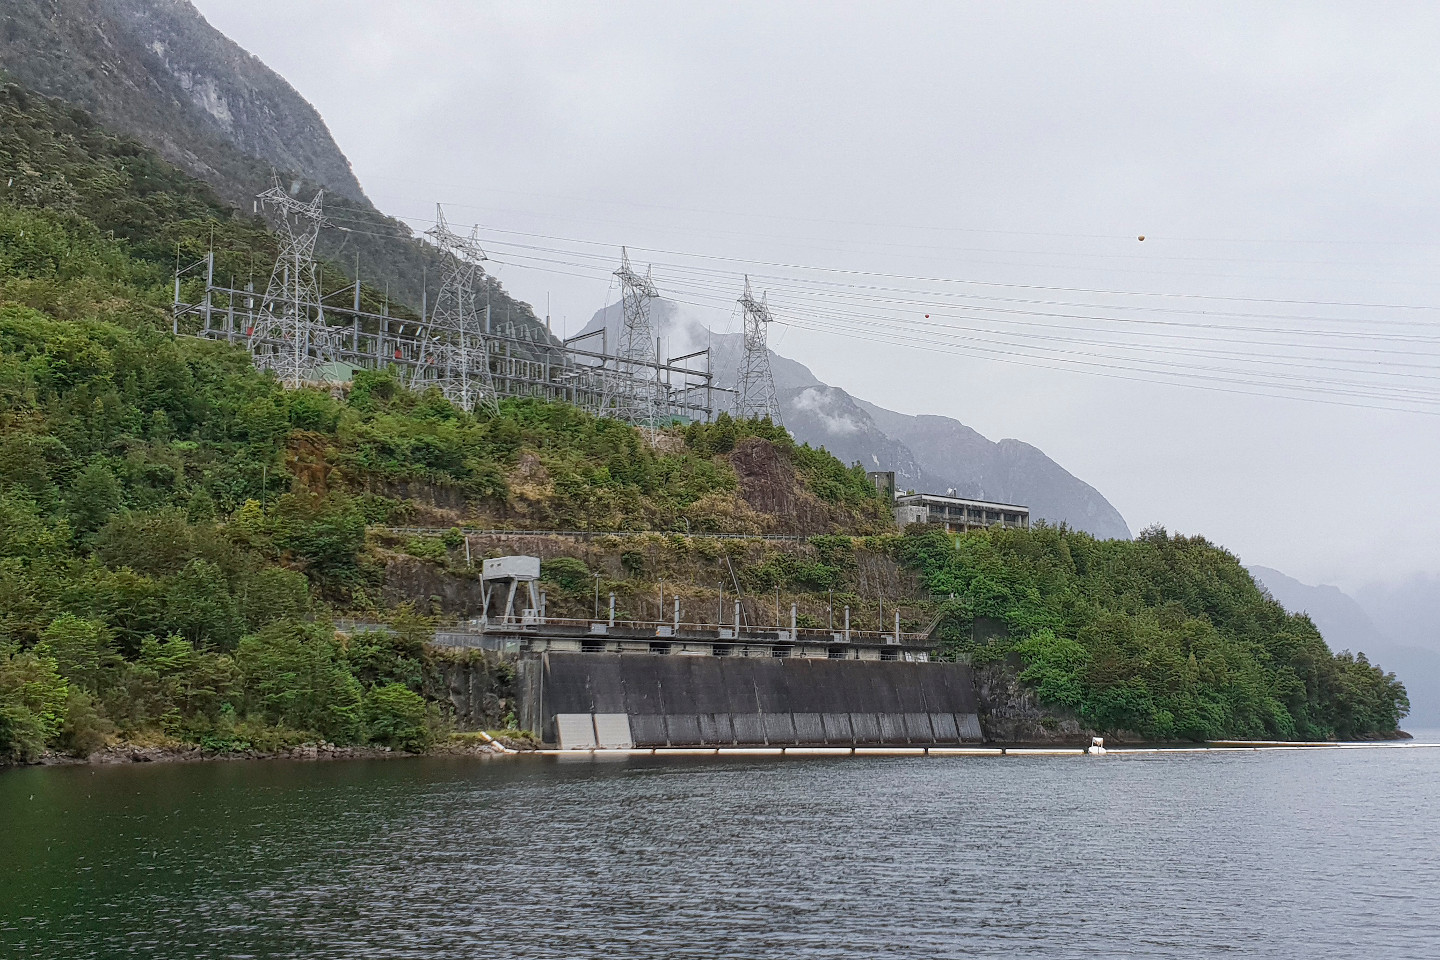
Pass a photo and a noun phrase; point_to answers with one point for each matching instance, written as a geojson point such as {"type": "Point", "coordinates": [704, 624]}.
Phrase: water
{"type": "Point", "coordinates": [1280, 854]}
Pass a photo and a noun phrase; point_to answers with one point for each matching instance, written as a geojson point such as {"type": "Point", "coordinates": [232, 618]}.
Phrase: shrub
{"type": "Point", "coordinates": [567, 573]}
{"type": "Point", "coordinates": [396, 717]}
{"type": "Point", "coordinates": [427, 548]}
{"type": "Point", "coordinates": [85, 729]}
{"type": "Point", "coordinates": [32, 704]}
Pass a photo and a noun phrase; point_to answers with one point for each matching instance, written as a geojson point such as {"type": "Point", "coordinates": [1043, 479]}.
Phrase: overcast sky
{"type": "Point", "coordinates": [921, 154]}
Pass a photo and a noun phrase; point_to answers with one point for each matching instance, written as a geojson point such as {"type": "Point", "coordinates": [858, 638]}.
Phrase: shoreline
{"type": "Point", "coordinates": [483, 746]}
{"type": "Point", "coordinates": [129, 753]}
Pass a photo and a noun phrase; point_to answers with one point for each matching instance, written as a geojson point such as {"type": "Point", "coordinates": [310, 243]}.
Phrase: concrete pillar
{"type": "Point", "coordinates": [677, 613]}
{"type": "Point", "coordinates": [847, 623]}
{"type": "Point", "coordinates": [612, 608]}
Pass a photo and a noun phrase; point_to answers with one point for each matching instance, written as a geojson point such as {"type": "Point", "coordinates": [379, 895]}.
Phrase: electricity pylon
{"type": "Point", "coordinates": [755, 389]}
{"type": "Point", "coordinates": [289, 330]}
{"type": "Point", "coordinates": [635, 389]}
{"type": "Point", "coordinates": [460, 353]}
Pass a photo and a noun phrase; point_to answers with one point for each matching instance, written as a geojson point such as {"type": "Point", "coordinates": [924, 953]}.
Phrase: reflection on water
{"type": "Point", "coordinates": [1285, 854]}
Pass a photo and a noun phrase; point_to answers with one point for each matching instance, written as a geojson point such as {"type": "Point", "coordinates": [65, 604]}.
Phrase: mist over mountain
{"type": "Point", "coordinates": [930, 454]}
{"type": "Point", "coordinates": [1346, 624]}
{"type": "Point", "coordinates": [1408, 609]}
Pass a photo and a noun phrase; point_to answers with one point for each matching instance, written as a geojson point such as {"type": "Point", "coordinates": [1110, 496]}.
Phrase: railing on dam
{"type": "Point", "coordinates": [559, 634]}
{"type": "Point", "coordinates": [536, 633]}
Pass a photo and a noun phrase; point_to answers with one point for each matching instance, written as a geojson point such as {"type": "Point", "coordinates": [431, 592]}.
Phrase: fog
{"type": "Point", "coordinates": [1279, 154]}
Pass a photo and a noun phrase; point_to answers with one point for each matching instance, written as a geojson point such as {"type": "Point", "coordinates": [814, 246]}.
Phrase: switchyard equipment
{"type": "Point", "coordinates": [308, 339]}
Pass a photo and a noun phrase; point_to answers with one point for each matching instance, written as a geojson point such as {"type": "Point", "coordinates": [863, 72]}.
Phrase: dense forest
{"type": "Point", "coordinates": [1164, 636]}
{"type": "Point", "coordinates": [178, 534]}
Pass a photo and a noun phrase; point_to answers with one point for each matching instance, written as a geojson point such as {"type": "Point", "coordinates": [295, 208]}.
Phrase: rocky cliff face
{"type": "Point", "coordinates": [928, 453]}
{"type": "Point", "coordinates": [1011, 713]}
{"type": "Point", "coordinates": [156, 70]}
{"type": "Point", "coordinates": [478, 685]}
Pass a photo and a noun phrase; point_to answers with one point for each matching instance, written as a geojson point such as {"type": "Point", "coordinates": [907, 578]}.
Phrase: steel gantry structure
{"type": "Point", "coordinates": [308, 339]}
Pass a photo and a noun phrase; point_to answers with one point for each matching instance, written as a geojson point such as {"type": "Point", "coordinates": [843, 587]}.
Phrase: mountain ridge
{"type": "Point", "coordinates": [157, 70]}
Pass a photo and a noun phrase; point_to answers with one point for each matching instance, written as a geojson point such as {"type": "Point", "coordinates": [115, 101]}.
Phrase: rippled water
{"type": "Point", "coordinates": [1283, 854]}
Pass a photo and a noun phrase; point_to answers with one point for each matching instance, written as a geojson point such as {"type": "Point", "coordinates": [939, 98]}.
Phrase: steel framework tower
{"type": "Point", "coordinates": [635, 390]}
{"type": "Point", "coordinates": [755, 387]}
{"type": "Point", "coordinates": [460, 354]}
{"type": "Point", "coordinates": [289, 335]}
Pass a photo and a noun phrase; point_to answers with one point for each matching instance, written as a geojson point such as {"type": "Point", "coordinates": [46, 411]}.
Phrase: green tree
{"type": "Point", "coordinates": [325, 534]}
{"type": "Point", "coordinates": [92, 499]}
{"type": "Point", "coordinates": [293, 676]}
{"type": "Point", "coordinates": [32, 703]}
{"type": "Point", "coordinates": [85, 728]}
{"type": "Point", "coordinates": [270, 594]}
{"type": "Point", "coordinates": [83, 650]}
{"type": "Point", "coordinates": [200, 607]}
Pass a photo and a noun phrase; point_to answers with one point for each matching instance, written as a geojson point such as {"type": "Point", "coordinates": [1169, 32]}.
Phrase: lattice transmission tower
{"type": "Point", "coordinates": [755, 388]}
{"type": "Point", "coordinates": [289, 334]}
{"type": "Point", "coordinates": [635, 390]}
{"type": "Point", "coordinates": [460, 354]}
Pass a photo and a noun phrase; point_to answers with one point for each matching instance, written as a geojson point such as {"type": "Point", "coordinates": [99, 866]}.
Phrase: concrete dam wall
{"type": "Point", "coordinates": [615, 700]}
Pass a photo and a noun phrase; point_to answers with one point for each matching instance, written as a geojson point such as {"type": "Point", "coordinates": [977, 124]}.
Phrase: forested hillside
{"type": "Point", "coordinates": [176, 529]}
{"type": "Point", "coordinates": [178, 533]}
{"type": "Point", "coordinates": [1164, 636]}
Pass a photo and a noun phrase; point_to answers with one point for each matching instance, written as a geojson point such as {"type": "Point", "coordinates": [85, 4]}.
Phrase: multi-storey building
{"type": "Point", "coordinates": [958, 514]}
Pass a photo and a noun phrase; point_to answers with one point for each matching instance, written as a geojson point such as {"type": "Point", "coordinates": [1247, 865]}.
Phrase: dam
{"type": "Point", "coordinates": [606, 684]}
{"type": "Point", "coordinates": [618, 700]}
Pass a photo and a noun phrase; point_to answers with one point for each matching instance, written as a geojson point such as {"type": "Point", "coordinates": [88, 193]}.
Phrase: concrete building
{"type": "Point", "coordinates": [957, 513]}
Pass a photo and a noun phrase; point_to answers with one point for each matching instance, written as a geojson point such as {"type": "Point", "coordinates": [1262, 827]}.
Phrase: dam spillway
{"type": "Point", "coordinates": [583, 700]}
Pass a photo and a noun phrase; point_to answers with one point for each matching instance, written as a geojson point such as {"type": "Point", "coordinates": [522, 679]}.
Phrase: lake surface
{"type": "Point", "coordinates": [1273, 854]}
